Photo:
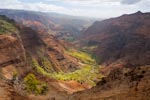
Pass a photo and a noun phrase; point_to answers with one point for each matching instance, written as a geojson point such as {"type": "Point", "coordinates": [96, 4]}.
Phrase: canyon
{"type": "Point", "coordinates": [106, 60]}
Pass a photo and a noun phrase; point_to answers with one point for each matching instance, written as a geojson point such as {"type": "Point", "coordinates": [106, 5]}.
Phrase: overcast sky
{"type": "Point", "coordinates": [88, 8]}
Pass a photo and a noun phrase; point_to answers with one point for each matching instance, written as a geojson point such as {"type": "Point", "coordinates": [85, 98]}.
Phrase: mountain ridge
{"type": "Point", "coordinates": [63, 26]}
{"type": "Point", "coordinates": [120, 38]}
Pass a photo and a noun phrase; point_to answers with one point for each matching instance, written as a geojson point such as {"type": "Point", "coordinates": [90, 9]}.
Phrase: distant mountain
{"type": "Point", "coordinates": [35, 65]}
{"type": "Point", "coordinates": [60, 25]}
{"type": "Point", "coordinates": [124, 40]}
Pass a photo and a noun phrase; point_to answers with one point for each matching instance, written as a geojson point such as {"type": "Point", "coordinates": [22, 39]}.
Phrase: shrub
{"type": "Point", "coordinates": [32, 85]}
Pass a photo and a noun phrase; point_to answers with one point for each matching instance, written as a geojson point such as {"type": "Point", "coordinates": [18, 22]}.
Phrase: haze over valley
{"type": "Point", "coordinates": [75, 50]}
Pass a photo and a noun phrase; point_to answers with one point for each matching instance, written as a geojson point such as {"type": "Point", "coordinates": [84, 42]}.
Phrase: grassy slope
{"type": "Point", "coordinates": [82, 56]}
{"type": "Point", "coordinates": [6, 26]}
{"type": "Point", "coordinates": [89, 73]}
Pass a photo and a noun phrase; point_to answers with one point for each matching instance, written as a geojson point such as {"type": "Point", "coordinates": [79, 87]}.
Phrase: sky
{"type": "Point", "coordinates": [86, 8]}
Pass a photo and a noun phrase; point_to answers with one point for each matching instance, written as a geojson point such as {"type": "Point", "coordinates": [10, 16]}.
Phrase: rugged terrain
{"type": "Point", "coordinates": [36, 65]}
{"type": "Point", "coordinates": [122, 46]}
{"type": "Point", "coordinates": [120, 84]}
{"type": "Point", "coordinates": [124, 40]}
{"type": "Point", "coordinates": [35, 62]}
{"type": "Point", "coordinates": [59, 25]}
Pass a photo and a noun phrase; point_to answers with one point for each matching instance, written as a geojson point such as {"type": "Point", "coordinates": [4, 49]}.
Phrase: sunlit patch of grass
{"type": "Point", "coordinates": [6, 27]}
{"type": "Point", "coordinates": [46, 64]}
{"type": "Point", "coordinates": [84, 57]}
{"type": "Point", "coordinates": [87, 74]}
{"type": "Point", "coordinates": [39, 68]}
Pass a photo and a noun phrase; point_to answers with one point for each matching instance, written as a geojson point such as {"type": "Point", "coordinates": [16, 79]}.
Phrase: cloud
{"type": "Point", "coordinates": [89, 8]}
{"type": "Point", "coordinates": [130, 1]}
{"type": "Point", "coordinates": [36, 6]}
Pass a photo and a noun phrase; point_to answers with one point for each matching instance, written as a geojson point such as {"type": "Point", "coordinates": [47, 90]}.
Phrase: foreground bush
{"type": "Point", "coordinates": [32, 85]}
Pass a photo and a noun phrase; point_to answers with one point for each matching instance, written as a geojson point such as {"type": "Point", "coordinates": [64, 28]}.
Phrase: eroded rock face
{"type": "Point", "coordinates": [17, 51]}
{"type": "Point", "coordinates": [28, 44]}
{"type": "Point", "coordinates": [10, 50]}
{"type": "Point", "coordinates": [41, 45]}
{"type": "Point", "coordinates": [11, 55]}
{"type": "Point", "coordinates": [7, 92]}
{"type": "Point", "coordinates": [56, 50]}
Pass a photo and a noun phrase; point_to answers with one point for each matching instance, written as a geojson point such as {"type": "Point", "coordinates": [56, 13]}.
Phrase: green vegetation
{"type": "Point", "coordinates": [87, 74]}
{"type": "Point", "coordinates": [46, 64]}
{"type": "Point", "coordinates": [15, 75]}
{"type": "Point", "coordinates": [6, 26]}
{"type": "Point", "coordinates": [32, 85]}
{"type": "Point", "coordinates": [89, 50]}
{"type": "Point", "coordinates": [85, 58]}
{"type": "Point", "coordinates": [38, 68]}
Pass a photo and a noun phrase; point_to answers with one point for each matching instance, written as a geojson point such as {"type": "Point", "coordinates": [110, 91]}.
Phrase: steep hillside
{"type": "Point", "coordinates": [62, 26]}
{"type": "Point", "coordinates": [12, 56]}
{"type": "Point", "coordinates": [122, 46]}
{"type": "Point", "coordinates": [35, 62]}
{"type": "Point", "coordinates": [124, 40]}
{"type": "Point", "coordinates": [36, 65]}
{"type": "Point", "coordinates": [51, 54]}
{"type": "Point", "coordinates": [12, 53]}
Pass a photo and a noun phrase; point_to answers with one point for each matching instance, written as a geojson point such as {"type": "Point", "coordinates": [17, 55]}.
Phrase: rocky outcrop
{"type": "Point", "coordinates": [12, 54]}
{"type": "Point", "coordinates": [7, 42]}
{"type": "Point", "coordinates": [7, 92]}
{"type": "Point", "coordinates": [120, 84]}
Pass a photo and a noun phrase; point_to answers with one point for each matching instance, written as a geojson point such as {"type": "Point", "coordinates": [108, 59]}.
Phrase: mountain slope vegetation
{"type": "Point", "coordinates": [36, 65]}
{"type": "Point", "coordinates": [33, 56]}
{"type": "Point", "coordinates": [5, 26]}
